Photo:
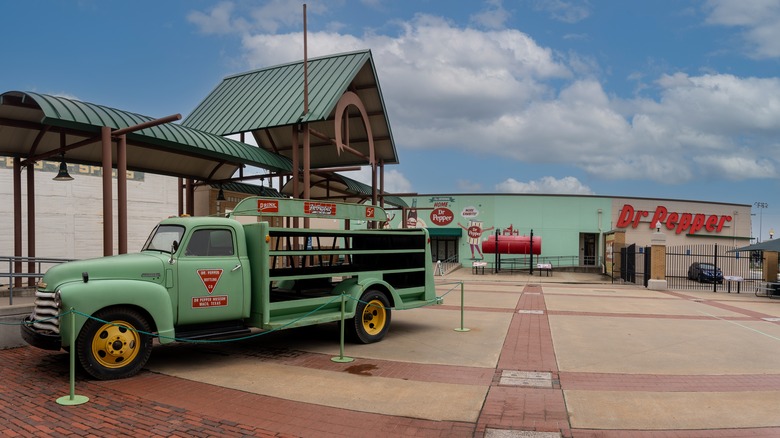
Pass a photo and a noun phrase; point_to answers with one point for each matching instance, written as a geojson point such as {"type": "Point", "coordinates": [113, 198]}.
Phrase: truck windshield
{"type": "Point", "coordinates": [162, 238]}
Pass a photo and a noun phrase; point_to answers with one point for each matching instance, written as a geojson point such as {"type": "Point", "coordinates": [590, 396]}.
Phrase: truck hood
{"type": "Point", "coordinates": [144, 267]}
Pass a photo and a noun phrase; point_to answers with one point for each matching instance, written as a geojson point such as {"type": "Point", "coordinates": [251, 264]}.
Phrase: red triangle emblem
{"type": "Point", "coordinates": [210, 278]}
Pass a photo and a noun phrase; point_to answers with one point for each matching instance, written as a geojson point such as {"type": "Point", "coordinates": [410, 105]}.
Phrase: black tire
{"type": "Point", "coordinates": [117, 349]}
{"type": "Point", "coordinates": [372, 318]}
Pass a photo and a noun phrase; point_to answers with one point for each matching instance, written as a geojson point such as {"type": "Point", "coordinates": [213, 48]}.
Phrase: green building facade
{"type": "Point", "coordinates": [571, 227]}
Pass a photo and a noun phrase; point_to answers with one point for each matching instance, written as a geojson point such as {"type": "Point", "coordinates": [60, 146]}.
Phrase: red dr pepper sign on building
{"type": "Point", "coordinates": [210, 278]}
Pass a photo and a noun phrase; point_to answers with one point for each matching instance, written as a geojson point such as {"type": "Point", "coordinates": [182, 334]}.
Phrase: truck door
{"type": "Point", "coordinates": [211, 278]}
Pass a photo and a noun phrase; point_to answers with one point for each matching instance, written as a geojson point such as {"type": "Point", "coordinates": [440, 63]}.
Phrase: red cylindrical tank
{"type": "Point", "coordinates": [511, 245]}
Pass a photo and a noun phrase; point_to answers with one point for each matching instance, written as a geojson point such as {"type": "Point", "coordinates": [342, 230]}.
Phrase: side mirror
{"type": "Point", "coordinates": [174, 247]}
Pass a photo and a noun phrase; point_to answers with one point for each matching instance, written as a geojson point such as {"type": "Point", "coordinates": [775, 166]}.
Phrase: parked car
{"type": "Point", "coordinates": [705, 273]}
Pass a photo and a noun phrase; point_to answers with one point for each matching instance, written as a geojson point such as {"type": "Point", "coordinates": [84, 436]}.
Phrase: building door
{"type": "Point", "coordinates": [588, 249]}
{"type": "Point", "coordinates": [442, 248]}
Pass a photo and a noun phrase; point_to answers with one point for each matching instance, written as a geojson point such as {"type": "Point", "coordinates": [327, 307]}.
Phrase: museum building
{"type": "Point", "coordinates": [569, 230]}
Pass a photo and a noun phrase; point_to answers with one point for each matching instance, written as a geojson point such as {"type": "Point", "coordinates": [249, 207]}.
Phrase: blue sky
{"type": "Point", "coordinates": [663, 99]}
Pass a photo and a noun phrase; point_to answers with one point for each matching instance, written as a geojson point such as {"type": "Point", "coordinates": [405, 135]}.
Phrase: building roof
{"type": "Point", "coordinates": [269, 103]}
{"type": "Point", "coordinates": [249, 189]}
{"type": "Point", "coordinates": [332, 185]}
{"type": "Point", "coordinates": [31, 124]}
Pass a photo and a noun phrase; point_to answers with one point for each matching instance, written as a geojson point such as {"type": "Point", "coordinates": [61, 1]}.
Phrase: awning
{"type": "Point", "coordinates": [445, 232]}
{"type": "Point", "coordinates": [34, 124]}
{"type": "Point", "coordinates": [768, 245]}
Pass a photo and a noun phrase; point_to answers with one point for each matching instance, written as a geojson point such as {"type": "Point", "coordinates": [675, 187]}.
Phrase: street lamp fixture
{"type": "Point", "coordinates": [761, 206]}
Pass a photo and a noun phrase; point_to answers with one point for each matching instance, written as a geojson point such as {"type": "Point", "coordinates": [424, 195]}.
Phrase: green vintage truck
{"type": "Point", "coordinates": [218, 277]}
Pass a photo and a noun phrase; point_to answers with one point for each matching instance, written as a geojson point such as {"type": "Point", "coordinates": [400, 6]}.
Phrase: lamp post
{"type": "Point", "coordinates": [761, 206]}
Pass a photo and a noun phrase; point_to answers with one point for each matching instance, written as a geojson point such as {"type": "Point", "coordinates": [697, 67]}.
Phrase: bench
{"type": "Point", "coordinates": [768, 289]}
{"type": "Point", "coordinates": [547, 267]}
{"type": "Point", "coordinates": [478, 267]}
{"type": "Point", "coordinates": [732, 278]}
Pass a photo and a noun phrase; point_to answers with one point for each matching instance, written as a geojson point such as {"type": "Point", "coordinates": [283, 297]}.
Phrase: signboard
{"type": "Point", "coordinates": [267, 206]}
{"type": "Point", "coordinates": [209, 301]}
{"type": "Point", "coordinates": [679, 222]}
{"type": "Point", "coordinates": [319, 208]}
{"type": "Point", "coordinates": [210, 278]}
{"type": "Point", "coordinates": [442, 216]}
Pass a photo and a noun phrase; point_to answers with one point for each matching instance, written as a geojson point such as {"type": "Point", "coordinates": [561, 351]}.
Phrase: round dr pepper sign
{"type": "Point", "coordinates": [441, 216]}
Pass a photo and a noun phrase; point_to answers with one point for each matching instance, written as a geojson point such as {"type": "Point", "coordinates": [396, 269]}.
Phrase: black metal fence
{"type": "Point", "coordinates": [635, 264]}
{"type": "Point", "coordinates": [734, 266]}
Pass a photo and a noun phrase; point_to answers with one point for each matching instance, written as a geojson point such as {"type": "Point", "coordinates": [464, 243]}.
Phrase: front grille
{"type": "Point", "coordinates": [45, 313]}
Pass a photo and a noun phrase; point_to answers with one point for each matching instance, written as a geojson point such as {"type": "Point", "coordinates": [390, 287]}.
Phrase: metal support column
{"type": "Point", "coordinates": [17, 181]}
{"type": "Point", "coordinates": [31, 221]}
{"type": "Point", "coordinates": [121, 192]}
{"type": "Point", "coordinates": [108, 212]}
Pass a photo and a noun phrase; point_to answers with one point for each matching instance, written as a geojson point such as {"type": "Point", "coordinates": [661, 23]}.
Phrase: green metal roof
{"type": "Point", "coordinates": [334, 185]}
{"type": "Point", "coordinates": [171, 148]}
{"type": "Point", "coordinates": [250, 189]}
{"type": "Point", "coordinates": [268, 102]}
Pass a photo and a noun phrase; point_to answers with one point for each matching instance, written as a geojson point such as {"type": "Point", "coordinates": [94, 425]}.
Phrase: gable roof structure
{"type": "Point", "coordinates": [32, 125]}
{"type": "Point", "coordinates": [269, 104]}
{"type": "Point", "coordinates": [332, 185]}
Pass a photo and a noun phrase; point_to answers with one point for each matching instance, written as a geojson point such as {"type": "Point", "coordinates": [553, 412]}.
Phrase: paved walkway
{"type": "Point", "coordinates": [561, 356]}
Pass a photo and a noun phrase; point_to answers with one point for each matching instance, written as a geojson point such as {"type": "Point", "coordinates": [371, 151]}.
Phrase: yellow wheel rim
{"type": "Point", "coordinates": [374, 317]}
{"type": "Point", "coordinates": [115, 345]}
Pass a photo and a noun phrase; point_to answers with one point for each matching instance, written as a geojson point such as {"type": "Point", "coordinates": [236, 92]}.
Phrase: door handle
{"type": "Point", "coordinates": [236, 268]}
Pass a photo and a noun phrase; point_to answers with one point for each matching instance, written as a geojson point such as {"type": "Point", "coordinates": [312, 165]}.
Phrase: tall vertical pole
{"type": "Point", "coordinates": [305, 66]}
{"type": "Point", "coordinates": [17, 177]}
{"type": "Point", "coordinates": [306, 133]}
{"type": "Point", "coordinates": [121, 192]}
{"type": "Point", "coordinates": [295, 162]}
{"type": "Point", "coordinates": [190, 197]}
{"type": "Point", "coordinates": [31, 221]}
{"type": "Point", "coordinates": [108, 198]}
{"type": "Point", "coordinates": [180, 191]}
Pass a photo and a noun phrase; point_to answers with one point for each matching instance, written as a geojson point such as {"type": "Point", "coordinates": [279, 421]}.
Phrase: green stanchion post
{"type": "Point", "coordinates": [72, 399]}
{"type": "Point", "coordinates": [461, 328]}
{"type": "Point", "coordinates": [342, 358]}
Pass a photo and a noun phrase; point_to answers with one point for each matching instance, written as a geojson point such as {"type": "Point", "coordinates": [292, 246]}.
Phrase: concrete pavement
{"type": "Point", "coordinates": [568, 355]}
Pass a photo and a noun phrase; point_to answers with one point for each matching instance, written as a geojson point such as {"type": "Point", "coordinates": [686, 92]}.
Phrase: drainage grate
{"type": "Point", "coordinates": [506, 433]}
{"type": "Point", "coordinates": [531, 379]}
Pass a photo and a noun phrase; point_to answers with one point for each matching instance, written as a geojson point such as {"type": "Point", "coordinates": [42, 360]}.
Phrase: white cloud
{"type": "Point", "coordinates": [570, 11]}
{"type": "Point", "coordinates": [219, 20]}
{"type": "Point", "coordinates": [467, 186]}
{"type": "Point", "coordinates": [499, 93]}
{"type": "Point", "coordinates": [760, 20]}
{"type": "Point", "coordinates": [549, 185]}
{"type": "Point", "coordinates": [395, 181]}
{"type": "Point", "coordinates": [493, 17]}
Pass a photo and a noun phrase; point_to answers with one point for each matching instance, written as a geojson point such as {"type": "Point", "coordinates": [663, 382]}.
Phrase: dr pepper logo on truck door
{"type": "Point", "coordinates": [210, 278]}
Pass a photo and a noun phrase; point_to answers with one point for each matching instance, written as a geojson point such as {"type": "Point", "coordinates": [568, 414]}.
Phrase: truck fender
{"type": "Point", "coordinates": [355, 288]}
{"type": "Point", "coordinates": [88, 298]}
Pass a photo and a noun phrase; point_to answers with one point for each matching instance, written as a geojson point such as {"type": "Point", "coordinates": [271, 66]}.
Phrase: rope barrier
{"type": "Point", "coordinates": [73, 399]}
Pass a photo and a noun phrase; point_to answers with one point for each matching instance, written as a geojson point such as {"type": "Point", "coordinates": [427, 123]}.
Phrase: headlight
{"type": "Point", "coordinates": [58, 299]}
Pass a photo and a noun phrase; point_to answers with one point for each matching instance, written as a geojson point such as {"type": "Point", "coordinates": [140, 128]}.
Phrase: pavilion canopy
{"type": "Point", "coordinates": [767, 245]}
{"type": "Point", "coordinates": [269, 103]}
{"type": "Point", "coordinates": [38, 126]}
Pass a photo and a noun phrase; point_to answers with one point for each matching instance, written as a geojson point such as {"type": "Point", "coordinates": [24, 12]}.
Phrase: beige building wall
{"type": "Point", "coordinates": [69, 214]}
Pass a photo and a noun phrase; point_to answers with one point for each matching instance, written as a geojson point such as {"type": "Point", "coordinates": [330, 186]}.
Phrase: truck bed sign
{"type": "Point", "coordinates": [210, 278]}
{"type": "Point", "coordinates": [209, 301]}
{"type": "Point", "coordinates": [266, 206]}
{"type": "Point", "coordinates": [319, 208]}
